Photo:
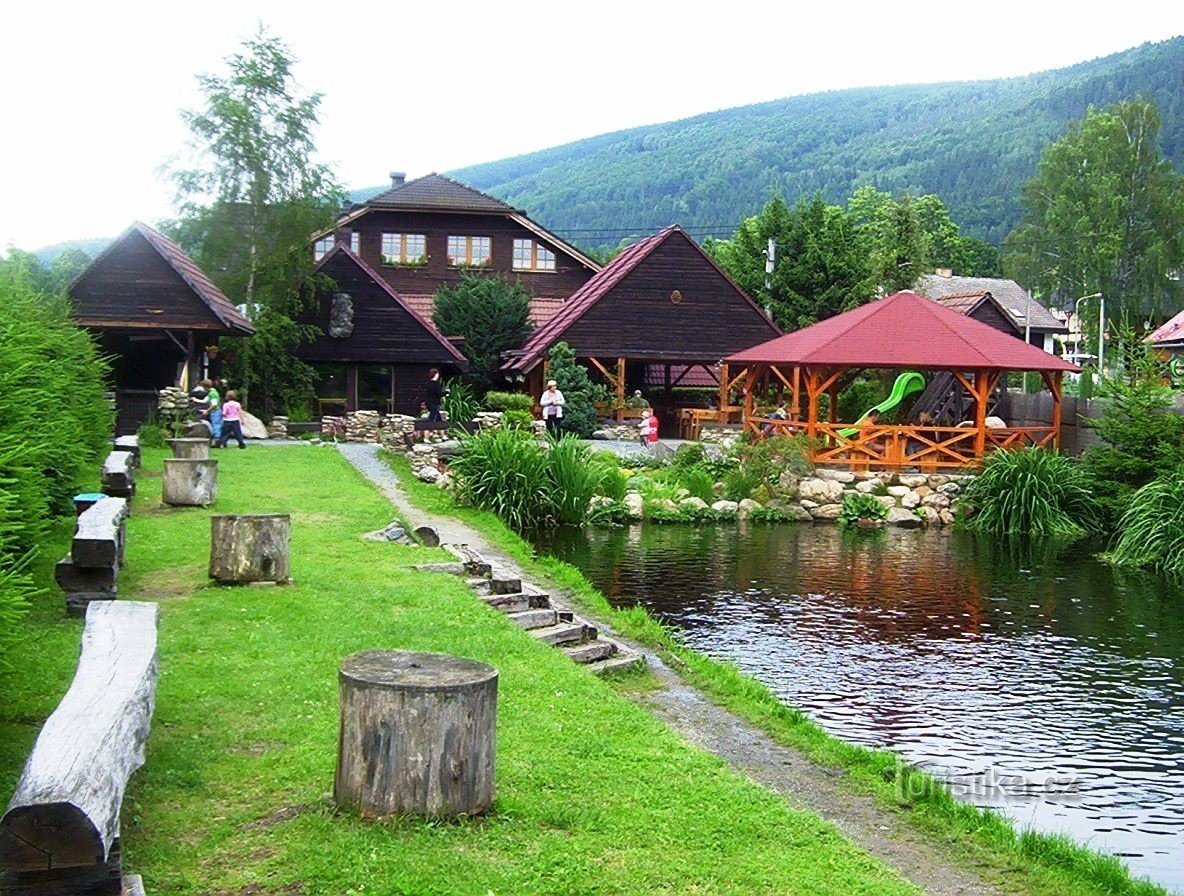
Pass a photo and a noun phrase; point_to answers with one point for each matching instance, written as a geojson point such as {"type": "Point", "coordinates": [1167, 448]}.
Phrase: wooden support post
{"type": "Point", "coordinates": [194, 449]}
{"type": "Point", "coordinates": [250, 548]}
{"type": "Point", "coordinates": [189, 482]}
{"type": "Point", "coordinates": [60, 834]}
{"type": "Point", "coordinates": [982, 392]}
{"type": "Point", "coordinates": [417, 735]}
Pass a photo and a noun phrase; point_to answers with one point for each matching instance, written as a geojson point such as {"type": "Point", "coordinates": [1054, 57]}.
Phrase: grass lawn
{"type": "Point", "coordinates": [593, 795]}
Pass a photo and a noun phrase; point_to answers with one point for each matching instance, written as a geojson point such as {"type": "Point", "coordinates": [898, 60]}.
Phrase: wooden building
{"type": "Point", "coordinates": [663, 302]}
{"type": "Point", "coordinates": [154, 312]}
{"type": "Point", "coordinates": [997, 302]}
{"type": "Point", "coordinates": [374, 351]}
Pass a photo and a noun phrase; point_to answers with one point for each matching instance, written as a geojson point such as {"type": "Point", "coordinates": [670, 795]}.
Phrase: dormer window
{"type": "Point", "coordinates": [531, 255]}
{"type": "Point", "coordinates": [469, 250]}
{"type": "Point", "coordinates": [323, 246]}
{"type": "Point", "coordinates": [404, 248]}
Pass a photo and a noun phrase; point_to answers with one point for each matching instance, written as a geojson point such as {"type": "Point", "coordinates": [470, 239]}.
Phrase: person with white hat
{"type": "Point", "coordinates": [552, 404]}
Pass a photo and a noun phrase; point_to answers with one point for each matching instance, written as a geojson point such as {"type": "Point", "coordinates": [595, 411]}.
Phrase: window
{"type": "Point", "coordinates": [323, 246]}
{"type": "Point", "coordinates": [355, 242]}
{"type": "Point", "coordinates": [404, 248]}
{"type": "Point", "coordinates": [532, 256]}
{"type": "Point", "coordinates": [464, 250]}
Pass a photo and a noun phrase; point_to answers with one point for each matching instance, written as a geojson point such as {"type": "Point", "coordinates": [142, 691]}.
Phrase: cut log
{"type": "Point", "coordinates": [198, 429]}
{"type": "Point", "coordinates": [60, 833]}
{"type": "Point", "coordinates": [194, 449]}
{"type": "Point", "coordinates": [98, 541]}
{"type": "Point", "coordinates": [417, 734]}
{"type": "Point", "coordinates": [72, 577]}
{"type": "Point", "coordinates": [189, 482]}
{"type": "Point", "coordinates": [250, 548]}
{"type": "Point", "coordinates": [130, 444]}
{"type": "Point", "coordinates": [119, 475]}
{"type": "Point", "coordinates": [78, 602]}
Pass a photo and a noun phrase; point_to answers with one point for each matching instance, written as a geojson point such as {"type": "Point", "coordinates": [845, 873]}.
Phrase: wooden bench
{"type": "Point", "coordinates": [119, 474]}
{"type": "Point", "coordinates": [60, 833]}
{"type": "Point", "coordinates": [90, 571]}
{"type": "Point", "coordinates": [130, 444]}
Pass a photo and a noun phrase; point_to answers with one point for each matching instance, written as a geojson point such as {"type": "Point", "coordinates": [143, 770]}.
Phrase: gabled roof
{"type": "Point", "coordinates": [1170, 334]}
{"type": "Point", "coordinates": [542, 308]}
{"type": "Point", "coordinates": [438, 193]}
{"type": "Point", "coordinates": [1011, 298]}
{"type": "Point", "coordinates": [904, 330]}
{"type": "Point", "coordinates": [194, 277]}
{"type": "Point", "coordinates": [342, 249]}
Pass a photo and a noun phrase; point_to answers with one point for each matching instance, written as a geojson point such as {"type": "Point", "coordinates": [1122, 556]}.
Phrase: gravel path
{"type": "Point", "coordinates": [801, 782]}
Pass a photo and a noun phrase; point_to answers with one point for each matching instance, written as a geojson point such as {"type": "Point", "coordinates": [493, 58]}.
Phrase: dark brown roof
{"type": "Point", "coordinates": [223, 310]}
{"type": "Point", "coordinates": [903, 331]}
{"type": "Point", "coordinates": [1011, 298]}
{"type": "Point", "coordinates": [435, 191]}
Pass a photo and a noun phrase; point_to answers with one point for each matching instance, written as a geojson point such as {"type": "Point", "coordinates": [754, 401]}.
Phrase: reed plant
{"type": "Point", "coordinates": [1032, 491]}
{"type": "Point", "coordinates": [573, 479]}
{"type": "Point", "coordinates": [1151, 530]}
{"type": "Point", "coordinates": [505, 470]}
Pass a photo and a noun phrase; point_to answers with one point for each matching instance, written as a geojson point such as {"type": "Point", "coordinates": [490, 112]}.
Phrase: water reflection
{"type": "Point", "coordinates": [1040, 683]}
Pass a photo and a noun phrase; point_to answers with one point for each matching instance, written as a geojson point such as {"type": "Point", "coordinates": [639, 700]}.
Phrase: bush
{"type": "Point", "coordinates": [699, 483]}
{"type": "Point", "coordinates": [579, 392]}
{"type": "Point", "coordinates": [508, 401]}
{"type": "Point", "coordinates": [1151, 531]}
{"type": "Point", "coordinates": [1032, 491]}
{"type": "Point", "coordinates": [516, 419]}
{"type": "Point", "coordinates": [574, 480]}
{"type": "Point", "coordinates": [769, 515]}
{"type": "Point", "coordinates": [459, 404]}
{"type": "Point", "coordinates": [505, 470]}
{"type": "Point", "coordinates": [859, 506]}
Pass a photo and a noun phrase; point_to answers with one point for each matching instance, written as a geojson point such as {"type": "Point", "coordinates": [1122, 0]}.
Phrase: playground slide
{"type": "Point", "coordinates": [906, 384]}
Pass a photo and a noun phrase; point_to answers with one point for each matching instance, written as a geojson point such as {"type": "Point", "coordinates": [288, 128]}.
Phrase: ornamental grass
{"type": "Point", "coordinates": [1151, 530]}
{"type": "Point", "coordinates": [1032, 491]}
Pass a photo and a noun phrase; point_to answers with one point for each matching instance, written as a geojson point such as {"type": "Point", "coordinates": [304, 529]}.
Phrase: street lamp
{"type": "Point", "coordinates": [1077, 314]}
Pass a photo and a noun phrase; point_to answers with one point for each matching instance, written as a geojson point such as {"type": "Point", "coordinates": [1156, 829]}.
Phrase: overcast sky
{"type": "Point", "coordinates": [93, 91]}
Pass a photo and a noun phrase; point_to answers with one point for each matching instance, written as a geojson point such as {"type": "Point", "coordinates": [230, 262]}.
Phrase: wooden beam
{"type": "Point", "coordinates": [981, 392]}
{"type": "Point", "coordinates": [608, 376]}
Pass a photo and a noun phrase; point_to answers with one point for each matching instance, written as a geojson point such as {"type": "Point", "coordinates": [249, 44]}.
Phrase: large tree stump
{"type": "Point", "coordinates": [417, 734]}
{"type": "Point", "coordinates": [193, 449]}
{"type": "Point", "coordinates": [250, 548]}
{"type": "Point", "coordinates": [189, 482]}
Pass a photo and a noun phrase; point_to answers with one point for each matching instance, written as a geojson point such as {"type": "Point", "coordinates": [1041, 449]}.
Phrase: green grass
{"type": "Point", "coordinates": [593, 794]}
{"type": "Point", "coordinates": [1151, 530]}
{"type": "Point", "coordinates": [1016, 861]}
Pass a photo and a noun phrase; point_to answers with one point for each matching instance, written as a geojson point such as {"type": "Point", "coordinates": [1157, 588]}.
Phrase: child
{"type": "Point", "coordinates": [232, 420]}
{"type": "Point", "coordinates": [643, 428]}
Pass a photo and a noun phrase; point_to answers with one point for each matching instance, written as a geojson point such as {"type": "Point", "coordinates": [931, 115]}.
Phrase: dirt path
{"type": "Point", "coordinates": [801, 782]}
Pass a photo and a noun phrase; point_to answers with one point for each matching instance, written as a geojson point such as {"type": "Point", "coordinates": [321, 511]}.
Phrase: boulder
{"type": "Point", "coordinates": [835, 475]}
{"type": "Point", "coordinates": [931, 515]}
{"type": "Point", "coordinates": [923, 490]}
{"type": "Point", "coordinates": [937, 480]}
{"type": "Point", "coordinates": [745, 508]}
{"type": "Point", "coordinates": [937, 500]}
{"type": "Point", "coordinates": [912, 480]}
{"type": "Point", "coordinates": [799, 514]}
{"type": "Point", "coordinates": [827, 512]}
{"type": "Point", "coordinates": [807, 505]}
{"type": "Point", "coordinates": [427, 474]}
{"type": "Point", "coordinates": [898, 491]}
{"type": "Point", "coordinates": [824, 491]}
{"type": "Point", "coordinates": [788, 481]}
{"type": "Point", "coordinates": [906, 519]}
{"type": "Point", "coordinates": [910, 500]}
{"type": "Point", "coordinates": [635, 505]}
{"type": "Point", "coordinates": [887, 500]}
{"type": "Point", "coordinates": [947, 518]}
{"type": "Point", "coordinates": [693, 503]}
{"type": "Point", "coordinates": [950, 489]}
{"type": "Point", "coordinates": [725, 506]}
{"type": "Point", "coordinates": [867, 486]}
{"type": "Point", "coordinates": [253, 427]}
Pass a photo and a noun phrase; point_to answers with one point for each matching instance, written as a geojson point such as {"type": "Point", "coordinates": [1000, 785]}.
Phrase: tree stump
{"type": "Point", "coordinates": [192, 449]}
{"type": "Point", "coordinates": [189, 482]}
{"type": "Point", "coordinates": [417, 734]}
{"type": "Point", "coordinates": [250, 548]}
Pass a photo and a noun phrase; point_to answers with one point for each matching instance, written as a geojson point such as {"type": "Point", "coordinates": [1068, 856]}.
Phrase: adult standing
{"type": "Point", "coordinates": [433, 394]}
{"type": "Point", "coordinates": [552, 403]}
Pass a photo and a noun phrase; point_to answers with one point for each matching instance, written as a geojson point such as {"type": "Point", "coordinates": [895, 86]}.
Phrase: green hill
{"type": "Point", "coordinates": [972, 143]}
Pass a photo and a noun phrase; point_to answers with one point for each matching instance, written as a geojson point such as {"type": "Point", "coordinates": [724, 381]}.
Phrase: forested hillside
{"type": "Point", "coordinates": [972, 144]}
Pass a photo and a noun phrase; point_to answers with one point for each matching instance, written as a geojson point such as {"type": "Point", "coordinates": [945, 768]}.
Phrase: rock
{"type": "Point", "coordinates": [725, 506]}
{"type": "Point", "coordinates": [835, 475]}
{"type": "Point", "coordinates": [931, 515]}
{"type": "Point", "coordinates": [427, 474]}
{"type": "Point", "coordinates": [938, 500]}
{"type": "Point", "coordinates": [911, 500]}
{"type": "Point", "coordinates": [599, 501]}
{"type": "Point", "coordinates": [428, 536]}
{"type": "Point", "coordinates": [912, 480]}
{"type": "Point", "coordinates": [694, 503]}
{"type": "Point", "coordinates": [867, 486]}
{"type": "Point", "coordinates": [827, 512]}
{"type": "Point", "coordinates": [995, 423]}
{"type": "Point", "coordinates": [864, 475]}
{"type": "Point", "coordinates": [898, 491]}
{"type": "Point", "coordinates": [950, 489]}
{"type": "Point", "coordinates": [937, 480]}
{"type": "Point", "coordinates": [394, 532]}
{"type": "Point", "coordinates": [799, 514]}
{"type": "Point", "coordinates": [635, 505]}
{"type": "Point", "coordinates": [788, 481]}
{"type": "Point", "coordinates": [253, 427]}
{"type": "Point", "coordinates": [887, 500]}
{"type": "Point", "coordinates": [664, 504]}
{"type": "Point", "coordinates": [947, 518]}
{"type": "Point", "coordinates": [906, 519]}
{"type": "Point", "coordinates": [448, 448]}
{"type": "Point", "coordinates": [824, 491]}
{"type": "Point", "coordinates": [923, 490]}
{"type": "Point", "coordinates": [807, 504]}
{"type": "Point", "coordinates": [745, 508]}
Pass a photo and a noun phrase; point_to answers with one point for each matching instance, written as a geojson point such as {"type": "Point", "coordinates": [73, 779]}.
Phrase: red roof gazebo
{"type": "Point", "coordinates": [904, 331]}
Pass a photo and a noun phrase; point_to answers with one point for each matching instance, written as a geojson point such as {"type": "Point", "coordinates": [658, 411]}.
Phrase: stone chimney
{"type": "Point", "coordinates": [397, 178]}
{"type": "Point", "coordinates": [944, 272]}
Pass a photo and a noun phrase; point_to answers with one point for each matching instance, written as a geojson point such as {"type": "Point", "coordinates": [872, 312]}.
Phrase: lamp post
{"type": "Point", "coordinates": [1101, 334]}
{"type": "Point", "coordinates": [1077, 314]}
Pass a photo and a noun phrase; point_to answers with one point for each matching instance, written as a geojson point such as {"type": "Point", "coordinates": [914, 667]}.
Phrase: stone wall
{"type": "Point", "coordinates": [912, 499]}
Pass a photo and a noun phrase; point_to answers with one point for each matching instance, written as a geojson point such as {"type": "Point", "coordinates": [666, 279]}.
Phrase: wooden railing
{"type": "Point", "coordinates": [924, 447]}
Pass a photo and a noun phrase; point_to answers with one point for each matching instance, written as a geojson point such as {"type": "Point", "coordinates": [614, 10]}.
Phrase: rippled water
{"type": "Point", "coordinates": [1049, 687]}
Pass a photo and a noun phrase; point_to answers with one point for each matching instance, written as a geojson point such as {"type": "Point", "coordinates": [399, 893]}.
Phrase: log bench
{"type": "Point", "coordinates": [60, 833]}
{"type": "Point", "coordinates": [90, 571]}
{"type": "Point", "coordinates": [130, 444]}
{"type": "Point", "coordinates": [119, 474]}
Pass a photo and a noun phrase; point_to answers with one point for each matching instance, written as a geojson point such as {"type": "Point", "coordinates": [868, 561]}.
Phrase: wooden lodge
{"type": "Point", "coordinates": [662, 311]}
{"type": "Point", "coordinates": [154, 312]}
{"type": "Point", "coordinates": [903, 332]}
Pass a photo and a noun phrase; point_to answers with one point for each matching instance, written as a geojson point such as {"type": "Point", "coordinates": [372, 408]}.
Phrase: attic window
{"type": "Point", "coordinates": [469, 250]}
{"type": "Point", "coordinates": [530, 255]}
{"type": "Point", "coordinates": [323, 246]}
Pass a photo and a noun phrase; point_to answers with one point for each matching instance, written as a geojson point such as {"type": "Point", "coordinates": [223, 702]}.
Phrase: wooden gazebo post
{"type": "Point", "coordinates": [1053, 381]}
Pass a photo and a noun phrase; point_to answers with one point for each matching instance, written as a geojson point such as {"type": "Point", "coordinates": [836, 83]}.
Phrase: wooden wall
{"type": "Point", "coordinates": [568, 276]}
{"type": "Point", "coordinates": [637, 319]}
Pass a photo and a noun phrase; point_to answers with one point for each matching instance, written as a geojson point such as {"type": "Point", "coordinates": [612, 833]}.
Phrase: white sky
{"type": "Point", "coordinates": [92, 91]}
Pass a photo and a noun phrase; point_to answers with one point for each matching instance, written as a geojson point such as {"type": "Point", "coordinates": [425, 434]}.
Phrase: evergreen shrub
{"type": "Point", "coordinates": [508, 401]}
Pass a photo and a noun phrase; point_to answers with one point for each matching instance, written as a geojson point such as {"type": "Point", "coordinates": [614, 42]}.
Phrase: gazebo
{"type": "Point", "coordinates": [904, 332]}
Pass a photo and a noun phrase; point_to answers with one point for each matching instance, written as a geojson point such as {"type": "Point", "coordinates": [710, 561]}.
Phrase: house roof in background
{"type": "Point", "coordinates": [1171, 333]}
{"type": "Point", "coordinates": [902, 331]}
{"type": "Point", "coordinates": [1011, 298]}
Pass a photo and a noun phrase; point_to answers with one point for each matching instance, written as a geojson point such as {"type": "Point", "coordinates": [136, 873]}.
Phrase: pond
{"type": "Point", "coordinates": [1048, 686]}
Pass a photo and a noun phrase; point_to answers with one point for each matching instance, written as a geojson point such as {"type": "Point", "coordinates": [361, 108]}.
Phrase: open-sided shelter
{"type": "Point", "coordinates": [904, 332]}
{"type": "Point", "coordinates": [662, 303]}
{"type": "Point", "coordinates": [374, 351]}
{"type": "Point", "coordinates": [155, 312]}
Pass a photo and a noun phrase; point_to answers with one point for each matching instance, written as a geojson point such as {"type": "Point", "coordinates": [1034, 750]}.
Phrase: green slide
{"type": "Point", "coordinates": [906, 384]}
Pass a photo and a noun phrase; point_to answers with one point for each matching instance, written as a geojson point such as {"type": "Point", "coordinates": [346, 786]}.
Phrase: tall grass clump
{"type": "Point", "coordinates": [505, 470]}
{"type": "Point", "coordinates": [460, 402]}
{"type": "Point", "coordinates": [573, 479]}
{"type": "Point", "coordinates": [1151, 530]}
{"type": "Point", "coordinates": [1032, 491]}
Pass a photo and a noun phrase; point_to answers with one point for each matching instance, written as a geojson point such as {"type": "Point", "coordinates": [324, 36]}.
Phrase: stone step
{"type": "Point", "coordinates": [503, 581]}
{"type": "Point", "coordinates": [622, 661]}
{"type": "Point", "coordinates": [535, 618]}
{"type": "Point", "coordinates": [508, 603]}
{"type": "Point", "coordinates": [452, 569]}
{"type": "Point", "coordinates": [474, 563]}
{"type": "Point", "coordinates": [566, 633]}
{"type": "Point", "coordinates": [591, 651]}
{"type": "Point", "coordinates": [480, 586]}
{"type": "Point", "coordinates": [539, 599]}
